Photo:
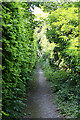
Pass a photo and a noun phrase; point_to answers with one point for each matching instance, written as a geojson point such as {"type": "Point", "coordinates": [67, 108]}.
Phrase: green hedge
{"type": "Point", "coordinates": [64, 33]}
{"type": "Point", "coordinates": [66, 86]}
{"type": "Point", "coordinates": [63, 67]}
{"type": "Point", "coordinates": [19, 55]}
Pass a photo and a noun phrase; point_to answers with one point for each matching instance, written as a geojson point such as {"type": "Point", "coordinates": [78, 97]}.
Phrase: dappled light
{"type": "Point", "coordinates": [41, 60]}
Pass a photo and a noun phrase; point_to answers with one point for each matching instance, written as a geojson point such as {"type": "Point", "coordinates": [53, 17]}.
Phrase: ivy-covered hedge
{"type": "Point", "coordinates": [19, 55]}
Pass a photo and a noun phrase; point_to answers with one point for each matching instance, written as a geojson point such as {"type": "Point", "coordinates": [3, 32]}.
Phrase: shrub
{"type": "Point", "coordinates": [19, 56]}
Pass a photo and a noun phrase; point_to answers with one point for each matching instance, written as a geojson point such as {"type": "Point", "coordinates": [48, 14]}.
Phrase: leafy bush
{"type": "Point", "coordinates": [19, 56]}
{"type": "Point", "coordinates": [67, 89]}
{"type": "Point", "coordinates": [62, 67]}
{"type": "Point", "coordinates": [58, 79]}
{"type": "Point", "coordinates": [68, 96]}
{"type": "Point", "coordinates": [63, 31]}
{"type": "Point", "coordinates": [65, 71]}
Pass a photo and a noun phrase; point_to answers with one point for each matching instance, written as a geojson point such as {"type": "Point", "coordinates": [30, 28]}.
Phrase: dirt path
{"type": "Point", "coordinates": [40, 103]}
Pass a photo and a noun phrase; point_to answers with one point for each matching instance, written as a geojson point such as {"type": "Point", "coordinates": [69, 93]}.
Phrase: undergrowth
{"type": "Point", "coordinates": [64, 84]}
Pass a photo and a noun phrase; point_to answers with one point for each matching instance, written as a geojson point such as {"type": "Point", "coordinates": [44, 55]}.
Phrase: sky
{"type": "Point", "coordinates": [38, 11]}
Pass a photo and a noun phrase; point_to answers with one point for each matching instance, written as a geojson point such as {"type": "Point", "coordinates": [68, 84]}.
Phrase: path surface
{"type": "Point", "coordinates": [40, 103]}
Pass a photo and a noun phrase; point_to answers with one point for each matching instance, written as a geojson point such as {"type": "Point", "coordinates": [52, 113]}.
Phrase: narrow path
{"type": "Point", "coordinates": [40, 104]}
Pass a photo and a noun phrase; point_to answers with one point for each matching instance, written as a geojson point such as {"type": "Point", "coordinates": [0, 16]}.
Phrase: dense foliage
{"type": "Point", "coordinates": [61, 65]}
{"type": "Point", "coordinates": [64, 33]}
{"type": "Point", "coordinates": [19, 55]}
{"type": "Point", "coordinates": [56, 37]}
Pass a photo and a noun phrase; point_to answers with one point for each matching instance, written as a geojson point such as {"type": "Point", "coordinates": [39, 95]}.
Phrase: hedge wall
{"type": "Point", "coordinates": [62, 67]}
{"type": "Point", "coordinates": [19, 55]}
{"type": "Point", "coordinates": [64, 33]}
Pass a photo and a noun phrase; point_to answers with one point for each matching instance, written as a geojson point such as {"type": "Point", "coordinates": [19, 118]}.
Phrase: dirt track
{"type": "Point", "coordinates": [41, 101]}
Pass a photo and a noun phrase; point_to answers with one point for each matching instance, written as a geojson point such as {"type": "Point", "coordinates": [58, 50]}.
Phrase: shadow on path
{"type": "Point", "coordinates": [40, 102]}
